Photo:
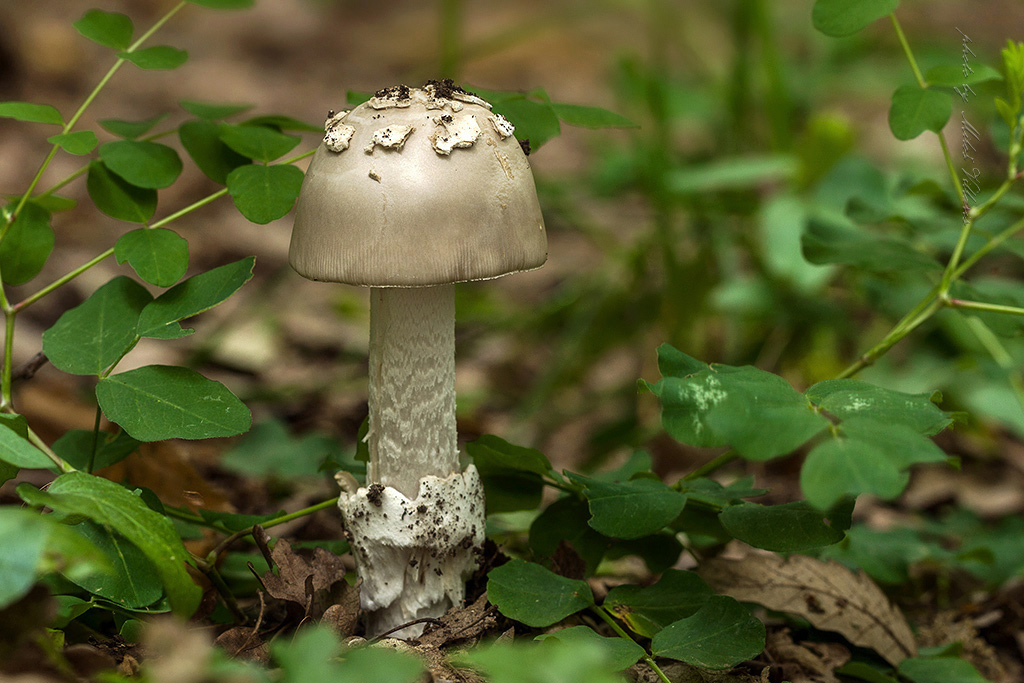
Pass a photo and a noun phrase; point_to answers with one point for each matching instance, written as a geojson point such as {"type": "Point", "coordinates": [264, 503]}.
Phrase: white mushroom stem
{"type": "Point", "coordinates": [412, 386]}
{"type": "Point", "coordinates": [415, 528]}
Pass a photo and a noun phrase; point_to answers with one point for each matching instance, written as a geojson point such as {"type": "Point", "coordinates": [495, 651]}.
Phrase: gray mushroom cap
{"type": "Point", "coordinates": [417, 187]}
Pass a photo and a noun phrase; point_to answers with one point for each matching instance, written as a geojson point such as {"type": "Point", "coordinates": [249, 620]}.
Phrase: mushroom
{"type": "Point", "coordinates": [410, 192]}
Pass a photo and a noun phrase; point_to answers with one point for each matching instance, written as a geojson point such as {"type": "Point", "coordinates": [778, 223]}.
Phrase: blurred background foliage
{"type": "Point", "coordinates": [761, 212]}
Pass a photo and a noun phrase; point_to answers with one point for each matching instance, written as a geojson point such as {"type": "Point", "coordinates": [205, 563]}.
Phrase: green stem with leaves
{"type": "Point", "coordinates": [298, 514]}
{"type": "Point", "coordinates": [610, 620]}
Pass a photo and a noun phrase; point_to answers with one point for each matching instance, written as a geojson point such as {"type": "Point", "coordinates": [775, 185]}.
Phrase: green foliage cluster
{"type": "Point", "coordinates": [113, 555]}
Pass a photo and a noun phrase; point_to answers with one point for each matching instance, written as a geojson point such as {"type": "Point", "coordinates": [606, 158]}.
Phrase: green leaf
{"type": "Point", "coordinates": [953, 76]}
{"type": "Point", "coordinates": [118, 198]}
{"type": "Point", "coordinates": [838, 18]}
{"type": "Point", "coordinates": [133, 581]}
{"type": "Point", "coordinates": [236, 522]}
{"type": "Point", "coordinates": [201, 139]}
{"type": "Point", "coordinates": [915, 110]}
{"type": "Point", "coordinates": [131, 129]}
{"type": "Point", "coordinates": [535, 596]}
{"type": "Point", "coordinates": [781, 528]}
{"type": "Point", "coordinates": [905, 446]}
{"type": "Point", "coordinates": [940, 670]}
{"type": "Point", "coordinates": [52, 202]}
{"type": "Point", "coordinates": [193, 296]}
{"type": "Point", "coordinates": [566, 520]}
{"type": "Point", "coordinates": [512, 475]}
{"type": "Point", "coordinates": [80, 142]}
{"type": "Point", "coordinates": [224, 4]}
{"type": "Point", "coordinates": [109, 29]}
{"type": "Point", "coordinates": [846, 398]}
{"type": "Point", "coordinates": [832, 241]}
{"type": "Point", "coordinates": [264, 193]}
{"type": "Point", "coordinates": [721, 634]}
{"type": "Point", "coordinates": [885, 556]}
{"type": "Point", "coordinates": [716, 495]}
{"type": "Point", "coordinates": [269, 449]}
{"type": "Point", "coordinates": [159, 256]}
{"type": "Point", "coordinates": [313, 655]}
{"type": "Point", "coordinates": [34, 545]}
{"type": "Point", "coordinates": [621, 653]}
{"type": "Point", "coordinates": [674, 363]}
{"type": "Point", "coordinates": [27, 245]}
{"type": "Point", "coordinates": [630, 509]}
{"type": "Point", "coordinates": [76, 446]}
{"type": "Point", "coordinates": [757, 413]}
{"type": "Point", "coordinates": [257, 142]}
{"type": "Point", "coordinates": [207, 110]}
{"type": "Point", "coordinates": [591, 117]}
{"type": "Point", "coordinates": [1008, 113]}
{"type": "Point", "coordinates": [159, 402]}
{"type": "Point", "coordinates": [492, 452]}
{"type": "Point", "coordinates": [112, 506]}
{"type": "Point", "coordinates": [157, 57]}
{"type": "Point", "coordinates": [32, 113]}
{"type": "Point", "coordinates": [844, 466]}
{"type": "Point", "coordinates": [533, 121]}
{"type": "Point", "coordinates": [554, 661]}
{"type": "Point", "coordinates": [143, 164]}
{"type": "Point", "coordinates": [659, 551]}
{"type": "Point", "coordinates": [864, 672]}
{"type": "Point", "coordinates": [647, 610]}
{"type": "Point", "coordinates": [90, 337]}
{"type": "Point", "coordinates": [731, 174]}
{"type": "Point", "coordinates": [284, 123]}
{"type": "Point", "coordinates": [7, 471]}
{"type": "Point", "coordinates": [15, 448]}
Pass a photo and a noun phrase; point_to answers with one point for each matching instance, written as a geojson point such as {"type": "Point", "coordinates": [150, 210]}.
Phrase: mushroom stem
{"type": "Point", "coordinates": [412, 430]}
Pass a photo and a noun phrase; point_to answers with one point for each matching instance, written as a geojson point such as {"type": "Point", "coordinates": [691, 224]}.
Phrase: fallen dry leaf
{"type": "Point", "coordinates": [343, 616]}
{"type": "Point", "coordinates": [464, 624]}
{"type": "Point", "coordinates": [805, 662]}
{"type": "Point", "coordinates": [827, 594]}
{"type": "Point", "coordinates": [244, 642]}
{"type": "Point", "coordinates": [313, 583]}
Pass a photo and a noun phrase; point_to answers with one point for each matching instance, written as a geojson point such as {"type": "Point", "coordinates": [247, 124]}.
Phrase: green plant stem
{"type": "Point", "coordinates": [991, 244]}
{"type": "Point", "coordinates": [222, 588]}
{"type": "Point", "coordinates": [952, 170]}
{"type": "Point", "coordinates": [95, 439]}
{"type": "Point", "coordinates": [924, 310]}
{"type": "Point", "coordinates": [928, 307]}
{"type": "Point", "coordinates": [610, 620]}
{"type": "Point", "coordinates": [450, 38]}
{"type": "Point", "coordinates": [954, 259]}
{"type": "Point", "coordinates": [63, 465]}
{"type": "Point", "coordinates": [190, 208]}
{"type": "Point", "coordinates": [981, 209]}
{"type": "Point", "coordinates": [5, 383]}
{"type": "Point", "coordinates": [1000, 355]}
{"type": "Point", "coordinates": [85, 105]}
{"type": "Point", "coordinates": [712, 465]}
{"type": "Point", "coordinates": [212, 556]}
{"type": "Point", "coordinates": [84, 169]}
{"type": "Point", "coordinates": [62, 183]}
{"type": "Point", "coordinates": [63, 280]}
{"type": "Point", "coordinates": [922, 83]}
{"type": "Point", "coordinates": [984, 307]}
{"type": "Point", "coordinates": [918, 76]}
{"type": "Point", "coordinates": [991, 343]}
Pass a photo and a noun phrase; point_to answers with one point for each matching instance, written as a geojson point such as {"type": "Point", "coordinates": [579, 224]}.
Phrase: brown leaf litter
{"type": "Point", "coordinates": [314, 584]}
{"type": "Point", "coordinates": [827, 594]}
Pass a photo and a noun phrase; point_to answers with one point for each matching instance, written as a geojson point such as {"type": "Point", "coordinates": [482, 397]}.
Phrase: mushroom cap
{"type": "Point", "coordinates": [417, 187]}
